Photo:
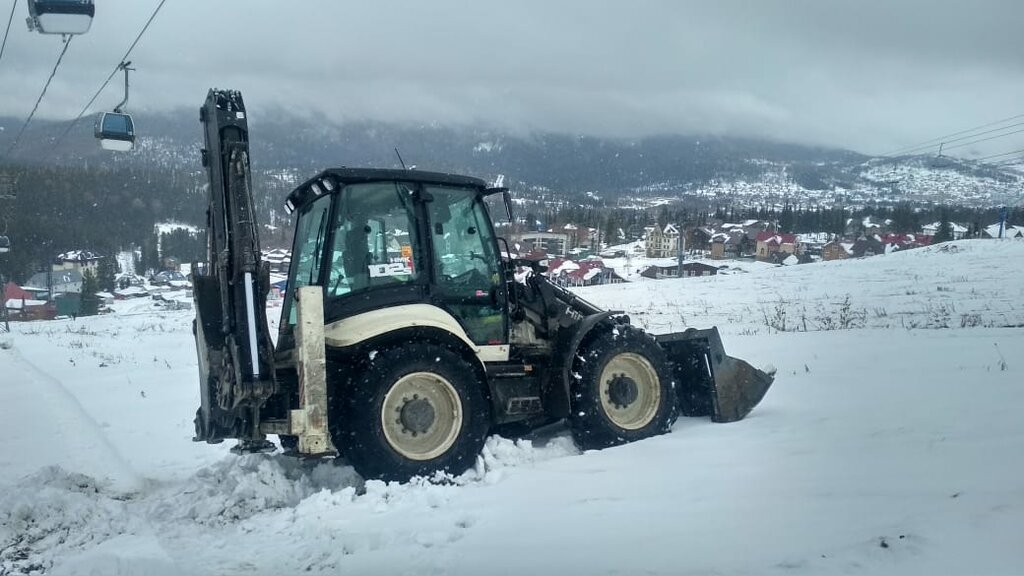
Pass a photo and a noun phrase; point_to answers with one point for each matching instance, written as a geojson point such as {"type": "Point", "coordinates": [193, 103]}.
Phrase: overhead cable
{"type": "Point", "coordinates": [17, 139]}
{"type": "Point", "coordinates": [14, 4]}
{"type": "Point", "coordinates": [946, 138]}
{"type": "Point", "coordinates": [1021, 151]}
{"type": "Point", "coordinates": [985, 139]}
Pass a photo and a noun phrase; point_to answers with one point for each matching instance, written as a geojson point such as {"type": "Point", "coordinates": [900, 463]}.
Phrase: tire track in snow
{"type": "Point", "coordinates": [49, 426]}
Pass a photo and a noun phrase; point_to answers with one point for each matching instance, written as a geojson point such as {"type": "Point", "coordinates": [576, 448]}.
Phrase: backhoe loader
{"type": "Point", "coordinates": [406, 334]}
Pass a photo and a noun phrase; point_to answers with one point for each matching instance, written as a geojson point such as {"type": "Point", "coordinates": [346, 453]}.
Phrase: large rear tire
{"type": "Point", "coordinates": [412, 411]}
{"type": "Point", "coordinates": [623, 389]}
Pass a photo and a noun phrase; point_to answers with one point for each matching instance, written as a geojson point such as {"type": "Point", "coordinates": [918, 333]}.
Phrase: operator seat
{"type": "Point", "coordinates": [356, 257]}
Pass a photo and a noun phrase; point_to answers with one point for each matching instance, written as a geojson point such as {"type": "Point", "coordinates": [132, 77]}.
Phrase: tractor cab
{"type": "Point", "coordinates": [376, 239]}
{"type": "Point", "coordinates": [60, 16]}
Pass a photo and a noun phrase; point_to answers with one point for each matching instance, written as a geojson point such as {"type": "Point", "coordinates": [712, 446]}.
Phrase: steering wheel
{"type": "Point", "coordinates": [471, 277]}
{"type": "Point", "coordinates": [480, 257]}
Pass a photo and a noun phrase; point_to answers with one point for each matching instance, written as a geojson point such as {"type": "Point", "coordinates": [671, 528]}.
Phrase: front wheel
{"type": "Point", "coordinates": [412, 410]}
{"type": "Point", "coordinates": [623, 389]}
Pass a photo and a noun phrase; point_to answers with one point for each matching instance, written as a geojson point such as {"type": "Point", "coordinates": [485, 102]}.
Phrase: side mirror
{"type": "Point", "coordinates": [489, 195]}
{"type": "Point", "coordinates": [508, 204]}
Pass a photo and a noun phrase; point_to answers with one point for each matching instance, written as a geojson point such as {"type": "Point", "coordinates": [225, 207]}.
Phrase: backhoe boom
{"type": "Point", "coordinates": [232, 337]}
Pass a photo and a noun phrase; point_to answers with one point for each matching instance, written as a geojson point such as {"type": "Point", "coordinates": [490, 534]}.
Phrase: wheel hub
{"type": "Point", "coordinates": [622, 391]}
{"type": "Point", "coordinates": [421, 416]}
{"type": "Point", "coordinates": [417, 415]}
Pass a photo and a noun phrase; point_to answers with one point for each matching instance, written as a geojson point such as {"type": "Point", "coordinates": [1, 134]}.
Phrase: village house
{"type": "Point", "coordinates": [23, 305]}
{"type": "Point", "coordinates": [552, 243]}
{"type": "Point", "coordinates": [690, 269]}
{"type": "Point", "coordinates": [61, 281]}
{"type": "Point", "coordinates": [859, 248]}
{"type": "Point", "coordinates": [278, 259]}
{"type": "Point", "coordinates": [959, 231]}
{"type": "Point", "coordinates": [728, 244]}
{"type": "Point", "coordinates": [78, 260]}
{"type": "Point", "coordinates": [1009, 231]}
{"type": "Point", "coordinates": [768, 243]}
{"type": "Point", "coordinates": [589, 272]}
{"type": "Point", "coordinates": [868, 225]}
{"type": "Point", "coordinates": [662, 242]}
{"type": "Point", "coordinates": [896, 242]}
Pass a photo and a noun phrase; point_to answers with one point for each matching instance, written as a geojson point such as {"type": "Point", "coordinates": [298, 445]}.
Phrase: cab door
{"type": "Point", "coordinates": [466, 277]}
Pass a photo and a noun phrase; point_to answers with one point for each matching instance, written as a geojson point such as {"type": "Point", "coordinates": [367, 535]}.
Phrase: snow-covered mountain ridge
{"type": "Point", "coordinates": [586, 170]}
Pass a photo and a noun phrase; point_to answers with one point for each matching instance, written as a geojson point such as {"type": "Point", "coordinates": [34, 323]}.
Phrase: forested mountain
{"type": "Point", "coordinates": [71, 194]}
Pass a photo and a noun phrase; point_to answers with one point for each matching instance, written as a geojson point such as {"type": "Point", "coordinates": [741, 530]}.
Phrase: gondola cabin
{"type": "Point", "coordinates": [60, 16]}
{"type": "Point", "coordinates": [115, 131]}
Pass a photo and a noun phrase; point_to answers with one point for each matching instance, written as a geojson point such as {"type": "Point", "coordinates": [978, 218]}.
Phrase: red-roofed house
{"type": "Point", "coordinates": [21, 304]}
{"type": "Point", "coordinates": [582, 273]}
{"type": "Point", "coordinates": [894, 242]}
{"type": "Point", "coordinates": [14, 292]}
{"type": "Point", "coordinates": [769, 243]}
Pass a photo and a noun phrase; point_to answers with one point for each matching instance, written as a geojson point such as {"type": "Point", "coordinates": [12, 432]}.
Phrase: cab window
{"type": "Point", "coordinates": [373, 239]}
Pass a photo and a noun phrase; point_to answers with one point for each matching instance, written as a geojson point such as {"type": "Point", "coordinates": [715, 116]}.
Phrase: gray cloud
{"type": "Point", "coordinates": [868, 74]}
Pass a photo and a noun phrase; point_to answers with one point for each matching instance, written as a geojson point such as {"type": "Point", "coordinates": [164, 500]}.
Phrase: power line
{"type": "Point", "coordinates": [113, 73]}
{"type": "Point", "coordinates": [14, 4]}
{"type": "Point", "coordinates": [941, 139]}
{"type": "Point", "coordinates": [32, 114]}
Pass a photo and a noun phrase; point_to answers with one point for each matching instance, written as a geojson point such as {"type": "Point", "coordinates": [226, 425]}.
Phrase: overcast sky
{"type": "Point", "coordinates": [871, 75]}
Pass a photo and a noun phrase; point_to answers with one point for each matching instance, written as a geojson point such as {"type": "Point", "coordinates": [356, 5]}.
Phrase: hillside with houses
{"type": "Point", "coordinates": [81, 282]}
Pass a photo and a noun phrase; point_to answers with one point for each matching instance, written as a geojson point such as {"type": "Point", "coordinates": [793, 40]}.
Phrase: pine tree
{"type": "Point", "coordinates": [90, 302]}
{"type": "Point", "coordinates": [106, 274]}
{"type": "Point", "coordinates": [945, 231]}
{"type": "Point", "coordinates": [150, 255]}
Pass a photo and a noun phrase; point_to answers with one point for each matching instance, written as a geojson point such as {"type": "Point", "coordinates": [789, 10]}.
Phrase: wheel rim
{"type": "Point", "coordinates": [421, 416]}
{"type": "Point", "coordinates": [630, 391]}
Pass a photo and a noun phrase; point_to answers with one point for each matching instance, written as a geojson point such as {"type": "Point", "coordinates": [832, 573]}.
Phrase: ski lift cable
{"type": "Point", "coordinates": [962, 144]}
{"type": "Point", "coordinates": [117, 68]}
{"type": "Point", "coordinates": [1012, 152]}
{"type": "Point", "coordinates": [17, 139]}
{"type": "Point", "coordinates": [980, 134]}
{"type": "Point", "coordinates": [938, 140]}
{"type": "Point", "coordinates": [14, 5]}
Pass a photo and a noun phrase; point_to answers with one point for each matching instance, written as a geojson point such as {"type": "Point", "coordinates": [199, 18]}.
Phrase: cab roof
{"type": "Point", "coordinates": [333, 179]}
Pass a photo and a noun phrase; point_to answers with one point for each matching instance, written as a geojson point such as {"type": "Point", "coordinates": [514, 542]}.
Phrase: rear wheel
{"type": "Point", "coordinates": [412, 411]}
{"type": "Point", "coordinates": [623, 390]}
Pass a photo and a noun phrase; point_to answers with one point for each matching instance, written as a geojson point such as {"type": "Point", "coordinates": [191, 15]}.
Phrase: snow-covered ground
{"type": "Point", "coordinates": [890, 443]}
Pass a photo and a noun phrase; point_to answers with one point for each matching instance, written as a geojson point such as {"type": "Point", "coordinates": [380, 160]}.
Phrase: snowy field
{"type": "Point", "coordinates": [891, 443]}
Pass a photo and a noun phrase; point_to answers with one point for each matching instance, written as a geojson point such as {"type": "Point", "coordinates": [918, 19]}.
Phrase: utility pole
{"type": "Point", "coordinates": [681, 249]}
{"type": "Point", "coordinates": [3, 306]}
{"type": "Point", "coordinates": [6, 194]}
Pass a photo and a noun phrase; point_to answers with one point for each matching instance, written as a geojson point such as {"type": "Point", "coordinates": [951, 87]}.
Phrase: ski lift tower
{"type": "Point", "coordinates": [7, 194]}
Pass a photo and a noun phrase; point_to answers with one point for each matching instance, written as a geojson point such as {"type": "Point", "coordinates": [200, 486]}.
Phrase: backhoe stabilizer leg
{"type": "Point", "coordinates": [309, 422]}
{"type": "Point", "coordinates": [708, 381]}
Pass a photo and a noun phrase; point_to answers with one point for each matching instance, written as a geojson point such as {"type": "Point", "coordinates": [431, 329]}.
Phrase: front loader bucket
{"type": "Point", "coordinates": [708, 381]}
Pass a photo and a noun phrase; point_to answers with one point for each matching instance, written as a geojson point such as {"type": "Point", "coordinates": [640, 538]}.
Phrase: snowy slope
{"type": "Point", "coordinates": [888, 448]}
{"type": "Point", "coordinates": [970, 283]}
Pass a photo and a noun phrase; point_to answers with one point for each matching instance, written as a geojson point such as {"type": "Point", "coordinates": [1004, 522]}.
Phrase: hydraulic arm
{"type": "Point", "coordinates": [232, 336]}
